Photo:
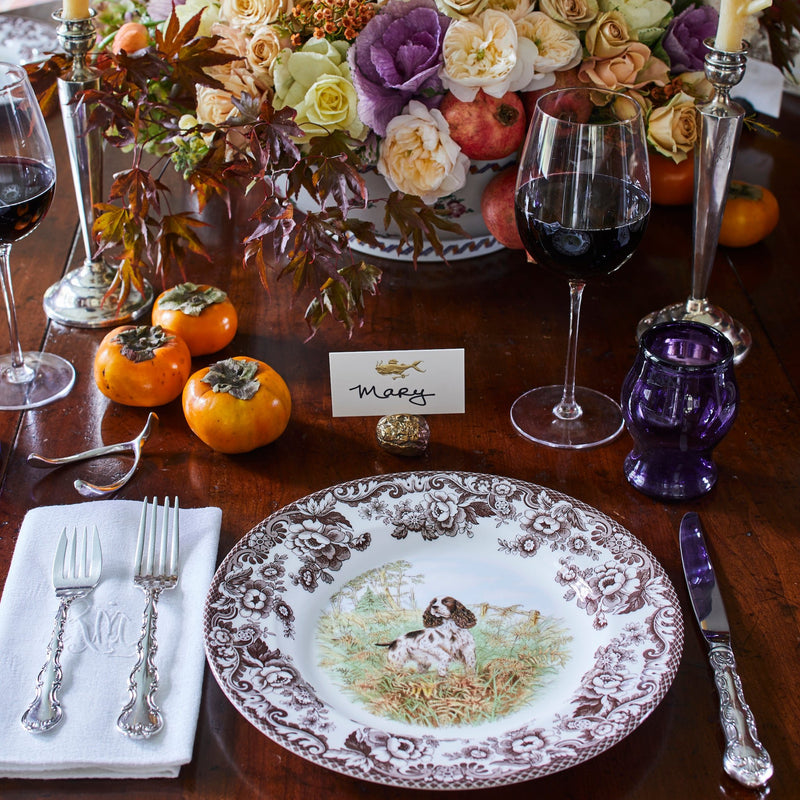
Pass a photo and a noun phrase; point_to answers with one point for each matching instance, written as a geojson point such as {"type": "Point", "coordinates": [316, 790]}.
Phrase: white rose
{"type": "Point", "coordinates": [559, 48]}
{"type": "Point", "coordinates": [251, 14]}
{"type": "Point", "coordinates": [418, 156]}
{"type": "Point", "coordinates": [485, 53]}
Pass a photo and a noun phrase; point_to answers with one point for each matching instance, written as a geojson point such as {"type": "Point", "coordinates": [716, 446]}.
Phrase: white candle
{"type": "Point", "coordinates": [733, 15]}
{"type": "Point", "coordinates": [75, 9]}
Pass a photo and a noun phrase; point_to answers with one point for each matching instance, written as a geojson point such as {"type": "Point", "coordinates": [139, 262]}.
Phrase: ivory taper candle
{"type": "Point", "coordinates": [733, 16]}
{"type": "Point", "coordinates": [75, 9]}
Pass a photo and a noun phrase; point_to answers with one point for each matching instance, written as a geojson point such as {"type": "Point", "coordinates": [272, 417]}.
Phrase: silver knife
{"type": "Point", "coordinates": [745, 758]}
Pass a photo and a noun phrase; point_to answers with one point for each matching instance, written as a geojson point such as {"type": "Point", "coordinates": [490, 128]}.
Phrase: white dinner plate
{"type": "Point", "coordinates": [25, 41]}
{"type": "Point", "coordinates": [575, 630]}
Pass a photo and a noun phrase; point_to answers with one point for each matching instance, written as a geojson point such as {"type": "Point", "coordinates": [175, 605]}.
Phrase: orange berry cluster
{"type": "Point", "coordinates": [332, 19]}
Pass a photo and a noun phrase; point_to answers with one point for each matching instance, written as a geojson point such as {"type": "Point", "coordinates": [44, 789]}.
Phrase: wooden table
{"type": "Point", "coordinates": [511, 318]}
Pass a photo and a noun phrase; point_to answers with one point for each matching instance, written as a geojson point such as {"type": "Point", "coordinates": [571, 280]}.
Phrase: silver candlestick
{"type": "Point", "coordinates": [80, 297]}
{"type": "Point", "coordinates": [720, 128]}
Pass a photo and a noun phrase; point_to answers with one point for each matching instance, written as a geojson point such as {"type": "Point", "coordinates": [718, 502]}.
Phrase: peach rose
{"type": "Point", "coordinates": [673, 128]}
{"type": "Point", "coordinates": [608, 35]}
{"type": "Point", "coordinates": [631, 69]}
{"type": "Point", "coordinates": [573, 13]}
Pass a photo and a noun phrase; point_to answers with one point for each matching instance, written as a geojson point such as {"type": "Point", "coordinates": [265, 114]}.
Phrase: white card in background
{"type": "Point", "coordinates": [379, 382]}
{"type": "Point", "coordinates": [762, 87]}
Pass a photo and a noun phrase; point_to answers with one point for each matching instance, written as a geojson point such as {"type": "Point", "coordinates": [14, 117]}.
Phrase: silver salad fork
{"type": "Point", "coordinates": [141, 718]}
{"type": "Point", "coordinates": [76, 571]}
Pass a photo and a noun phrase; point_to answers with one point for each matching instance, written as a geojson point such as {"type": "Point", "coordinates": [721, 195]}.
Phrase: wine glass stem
{"type": "Point", "coordinates": [568, 409]}
{"type": "Point", "coordinates": [19, 372]}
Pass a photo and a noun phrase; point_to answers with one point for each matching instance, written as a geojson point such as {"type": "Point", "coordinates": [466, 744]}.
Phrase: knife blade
{"type": "Point", "coordinates": [745, 759]}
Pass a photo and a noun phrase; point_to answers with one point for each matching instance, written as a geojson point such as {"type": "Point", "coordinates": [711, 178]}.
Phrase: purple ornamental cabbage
{"type": "Point", "coordinates": [684, 38]}
{"type": "Point", "coordinates": [396, 58]}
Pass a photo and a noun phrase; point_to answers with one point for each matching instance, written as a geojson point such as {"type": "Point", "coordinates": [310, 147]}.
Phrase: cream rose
{"type": "Point", "coordinates": [418, 157]}
{"type": "Point", "coordinates": [608, 35]}
{"type": "Point", "coordinates": [631, 69]}
{"type": "Point", "coordinates": [673, 129]}
{"type": "Point", "coordinates": [262, 49]}
{"type": "Point", "coordinates": [574, 13]}
{"type": "Point", "coordinates": [251, 14]}
{"type": "Point", "coordinates": [558, 48]}
{"type": "Point", "coordinates": [461, 9]}
{"type": "Point", "coordinates": [485, 53]}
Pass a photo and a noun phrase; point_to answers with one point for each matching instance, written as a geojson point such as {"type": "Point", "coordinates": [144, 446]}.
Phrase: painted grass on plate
{"type": "Point", "coordinates": [518, 652]}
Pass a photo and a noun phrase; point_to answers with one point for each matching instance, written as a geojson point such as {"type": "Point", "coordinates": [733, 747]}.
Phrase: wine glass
{"type": "Point", "coordinates": [27, 184]}
{"type": "Point", "coordinates": [582, 205]}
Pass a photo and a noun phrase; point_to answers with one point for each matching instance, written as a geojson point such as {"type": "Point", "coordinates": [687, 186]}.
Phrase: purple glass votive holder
{"type": "Point", "coordinates": [679, 400]}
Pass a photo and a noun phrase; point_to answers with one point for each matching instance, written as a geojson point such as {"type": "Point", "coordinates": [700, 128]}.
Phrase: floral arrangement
{"type": "Point", "coordinates": [287, 97]}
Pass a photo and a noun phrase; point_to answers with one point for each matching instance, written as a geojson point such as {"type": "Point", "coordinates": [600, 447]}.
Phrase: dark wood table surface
{"type": "Point", "coordinates": [511, 319]}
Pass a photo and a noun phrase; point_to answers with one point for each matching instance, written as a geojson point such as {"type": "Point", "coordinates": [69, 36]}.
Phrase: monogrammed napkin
{"type": "Point", "coordinates": [100, 647]}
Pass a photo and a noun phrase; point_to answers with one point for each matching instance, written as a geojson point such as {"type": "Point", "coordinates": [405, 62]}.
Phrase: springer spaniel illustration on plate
{"type": "Point", "coordinates": [444, 639]}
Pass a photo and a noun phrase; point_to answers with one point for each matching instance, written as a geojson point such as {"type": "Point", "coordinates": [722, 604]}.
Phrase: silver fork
{"type": "Point", "coordinates": [75, 573]}
{"type": "Point", "coordinates": [141, 718]}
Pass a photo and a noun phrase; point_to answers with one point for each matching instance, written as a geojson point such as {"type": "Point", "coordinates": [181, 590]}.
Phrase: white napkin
{"type": "Point", "coordinates": [100, 647]}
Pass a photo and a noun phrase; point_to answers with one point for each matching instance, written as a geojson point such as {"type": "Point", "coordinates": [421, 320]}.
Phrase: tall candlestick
{"type": "Point", "coordinates": [75, 9]}
{"type": "Point", "coordinates": [733, 16]}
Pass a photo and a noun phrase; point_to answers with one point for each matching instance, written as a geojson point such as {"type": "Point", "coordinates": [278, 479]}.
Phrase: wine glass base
{"type": "Point", "coordinates": [532, 416]}
{"type": "Point", "coordinates": [78, 299]}
{"type": "Point", "coordinates": [53, 378]}
{"type": "Point", "coordinates": [702, 311]}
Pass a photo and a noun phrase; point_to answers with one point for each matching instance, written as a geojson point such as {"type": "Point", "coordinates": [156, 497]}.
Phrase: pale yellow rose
{"type": "Point", "coordinates": [673, 129]}
{"type": "Point", "coordinates": [631, 69]}
{"type": "Point", "coordinates": [558, 48]}
{"type": "Point", "coordinates": [315, 81]}
{"type": "Point", "coordinates": [461, 9]}
{"type": "Point", "coordinates": [516, 9]}
{"type": "Point", "coordinates": [574, 13]}
{"type": "Point", "coordinates": [484, 53]}
{"type": "Point", "coordinates": [696, 84]}
{"type": "Point", "coordinates": [262, 49]}
{"type": "Point", "coordinates": [418, 156]}
{"type": "Point", "coordinates": [608, 35]}
{"type": "Point", "coordinates": [214, 106]}
{"type": "Point", "coordinates": [192, 7]}
{"type": "Point", "coordinates": [251, 14]}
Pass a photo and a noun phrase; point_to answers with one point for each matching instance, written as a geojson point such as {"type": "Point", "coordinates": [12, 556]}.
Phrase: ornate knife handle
{"type": "Point", "coordinates": [141, 718]}
{"type": "Point", "coordinates": [45, 711]}
{"type": "Point", "coordinates": [745, 758]}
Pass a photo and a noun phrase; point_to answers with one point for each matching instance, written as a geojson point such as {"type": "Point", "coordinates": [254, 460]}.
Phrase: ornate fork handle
{"type": "Point", "coordinates": [746, 760]}
{"type": "Point", "coordinates": [141, 718]}
{"type": "Point", "coordinates": [45, 711]}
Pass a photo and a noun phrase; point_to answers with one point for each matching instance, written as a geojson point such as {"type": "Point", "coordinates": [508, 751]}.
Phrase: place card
{"type": "Point", "coordinates": [379, 382]}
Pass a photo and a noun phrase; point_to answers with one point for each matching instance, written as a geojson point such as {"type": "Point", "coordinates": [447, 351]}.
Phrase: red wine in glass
{"type": "Point", "coordinates": [26, 191]}
{"type": "Point", "coordinates": [27, 184]}
{"type": "Point", "coordinates": [582, 204]}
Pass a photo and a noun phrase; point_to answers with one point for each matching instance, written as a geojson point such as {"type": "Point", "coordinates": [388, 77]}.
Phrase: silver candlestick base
{"type": "Point", "coordinates": [720, 128]}
{"type": "Point", "coordinates": [81, 298]}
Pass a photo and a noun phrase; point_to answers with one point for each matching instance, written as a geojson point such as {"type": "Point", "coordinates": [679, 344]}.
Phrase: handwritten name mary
{"type": "Point", "coordinates": [417, 397]}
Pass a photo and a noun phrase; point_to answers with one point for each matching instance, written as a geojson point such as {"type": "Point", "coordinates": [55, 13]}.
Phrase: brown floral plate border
{"type": "Point", "coordinates": [490, 541]}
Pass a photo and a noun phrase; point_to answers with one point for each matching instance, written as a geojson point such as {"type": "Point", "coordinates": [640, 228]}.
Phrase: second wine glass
{"type": "Point", "coordinates": [582, 205]}
{"type": "Point", "coordinates": [27, 184]}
